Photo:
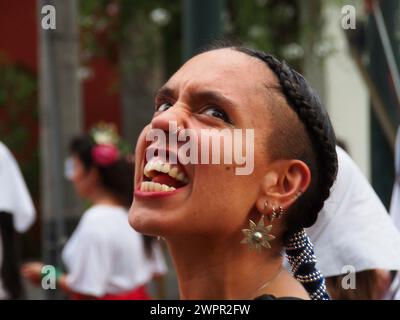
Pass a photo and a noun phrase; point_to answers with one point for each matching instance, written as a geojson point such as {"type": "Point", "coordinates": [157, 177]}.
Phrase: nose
{"type": "Point", "coordinates": [171, 120]}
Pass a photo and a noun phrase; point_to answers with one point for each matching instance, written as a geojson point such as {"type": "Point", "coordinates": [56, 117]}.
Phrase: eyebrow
{"type": "Point", "coordinates": [198, 95]}
{"type": "Point", "coordinates": [165, 91]}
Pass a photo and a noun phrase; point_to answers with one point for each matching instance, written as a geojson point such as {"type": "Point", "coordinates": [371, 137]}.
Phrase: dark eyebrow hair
{"type": "Point", "coordinates": [199, 95]}
{"type": "Point", "coordinates": [166, 92]}
{"type": "Point", "coordinates": [214, 96]}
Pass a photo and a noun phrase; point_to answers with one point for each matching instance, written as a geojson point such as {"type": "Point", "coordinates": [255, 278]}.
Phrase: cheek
{"type": "Point", "coordinates": [76, 178]}
{"type": "Point", "coordinates": [79, 180]}
{"type": "Point", "coordinates": [79, 184]}
{"type": "Point", "coordinates": [222, 199]}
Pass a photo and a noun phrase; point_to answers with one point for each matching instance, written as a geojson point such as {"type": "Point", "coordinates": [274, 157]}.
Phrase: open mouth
{"type": "Point", "coordinates": [159, 176]}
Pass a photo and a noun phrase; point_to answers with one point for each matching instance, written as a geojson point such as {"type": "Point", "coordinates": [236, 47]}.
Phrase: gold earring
{"type": "Point", "coordinates": [258, 235]}
{"type": "Point", "coordinates": [276, 214]}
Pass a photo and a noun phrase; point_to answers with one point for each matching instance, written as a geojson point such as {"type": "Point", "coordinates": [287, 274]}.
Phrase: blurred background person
{"type": "Point", "coordinates": [17, 214]}
{"type": "Point", "coordinates": [354, 233]}
{"type": "Point", "coordinates": [104, 257]}
{"type": "Point", "coordinates": [395, 202]}
{"type": "Point", "coordinates": [395, 210]}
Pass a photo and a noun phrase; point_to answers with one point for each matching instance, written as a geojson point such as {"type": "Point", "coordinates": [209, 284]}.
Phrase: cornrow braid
{"type": "Point", "coordinates": [307, 105]}
{"type": "Point", "coordinates": [323, 165]}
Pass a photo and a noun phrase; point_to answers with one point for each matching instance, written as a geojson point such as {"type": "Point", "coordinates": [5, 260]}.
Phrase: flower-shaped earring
{"type": "Point", "coordinates": [259, 235]}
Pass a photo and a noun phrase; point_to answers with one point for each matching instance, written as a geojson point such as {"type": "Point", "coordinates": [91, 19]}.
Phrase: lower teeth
{"type": "Point", "coordinates": [154, 186]}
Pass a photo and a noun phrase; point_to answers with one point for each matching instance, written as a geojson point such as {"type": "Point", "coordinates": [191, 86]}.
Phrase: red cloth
{"type": "Point", "coordinates": [139, 293]}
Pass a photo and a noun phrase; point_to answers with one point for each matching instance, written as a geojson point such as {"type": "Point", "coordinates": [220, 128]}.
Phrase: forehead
{"type": "Point", "coordinates": [225, 70]}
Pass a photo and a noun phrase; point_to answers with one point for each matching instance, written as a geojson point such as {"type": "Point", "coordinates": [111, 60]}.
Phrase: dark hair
{"type": "Point", "coordinates": [117, 178]}
{"type": "Point", "coordinates": [11, 247]}
{"type": "Point", "coordinates": [308, 137]}
{"type": "Point", "coordinates": [312, 141]}
{"type": "Point", "coordinates": [320, 153]}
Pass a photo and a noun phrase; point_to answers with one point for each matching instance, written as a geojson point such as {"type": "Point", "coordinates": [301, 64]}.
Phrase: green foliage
{"type": "Point", "coordinates": [17, 89]}
{"type": "Point", "coordinates": [107, 24]}
{"type": "Point", "coordinates": [268, 25]}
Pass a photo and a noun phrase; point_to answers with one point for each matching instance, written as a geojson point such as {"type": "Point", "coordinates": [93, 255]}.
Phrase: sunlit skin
{"type": "Point", "coordinates": [202, 222]}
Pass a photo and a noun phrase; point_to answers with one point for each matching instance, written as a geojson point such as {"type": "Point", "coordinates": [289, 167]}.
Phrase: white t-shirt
{"type": "Point", "coordinates": [105, 255]}
{"type": "Point", "coordinates": [14, 199]}
{"type": "Point", "coordinates": [14, 195]}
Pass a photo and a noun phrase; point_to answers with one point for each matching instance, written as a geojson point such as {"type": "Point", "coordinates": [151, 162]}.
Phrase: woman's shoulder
{"type": "Point", "coordinates": [108, 223]}
{"type": "Point", "coordinates": [99, 217]}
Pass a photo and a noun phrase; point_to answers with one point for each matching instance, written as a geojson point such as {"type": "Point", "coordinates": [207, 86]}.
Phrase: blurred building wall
{"type": "Point", "coordinates": [18, 32]}
{"type": "Point", "coordinates": [19, 45]}
{"type": "Point", "coordinates": [101, 97]}
{"type": "Point", "coordinates": [19, 25]}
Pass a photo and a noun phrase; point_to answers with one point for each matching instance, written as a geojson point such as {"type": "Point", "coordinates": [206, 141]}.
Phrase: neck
{"type": "Point", "coordinates": [223, 270]}
{"type": "Point", "coordinates": [102, 196]}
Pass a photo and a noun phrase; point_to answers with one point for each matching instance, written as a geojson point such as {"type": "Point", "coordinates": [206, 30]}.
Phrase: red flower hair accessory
{"type": "Point", "coordinates": [105, 154]}
{"type": "Point", "coordinates": [105, 151]}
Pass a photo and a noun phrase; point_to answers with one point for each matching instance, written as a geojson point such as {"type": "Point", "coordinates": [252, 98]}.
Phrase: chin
{"type": "Point", "coordinates": [149, 221]}
{"type": "Point", "coordinates": [142, 222]}
{"type": "Point", "coordinates": [164, 221]}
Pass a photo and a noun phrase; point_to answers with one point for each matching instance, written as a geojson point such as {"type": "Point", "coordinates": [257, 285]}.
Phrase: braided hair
{"type": "Point", "coordinates": [322, 160]}
{"type": "Point", "coordinates": [319, 153]}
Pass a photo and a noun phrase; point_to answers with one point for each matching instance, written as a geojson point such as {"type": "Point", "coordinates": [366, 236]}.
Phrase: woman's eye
{"type": "Point", "coordinates": [165, 106]}
{"type": "Point", "coordinates": [217, 113]}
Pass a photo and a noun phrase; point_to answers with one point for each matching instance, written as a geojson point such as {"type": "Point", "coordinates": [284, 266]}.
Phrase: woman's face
{"type": "Point", "coordinates": [80, 178]}
{"type": "Point", "coordinates": [221, 89]}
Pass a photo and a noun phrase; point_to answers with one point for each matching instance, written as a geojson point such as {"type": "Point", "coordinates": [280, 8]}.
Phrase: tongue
{"type": "Point", "coordinates": [164, 178]}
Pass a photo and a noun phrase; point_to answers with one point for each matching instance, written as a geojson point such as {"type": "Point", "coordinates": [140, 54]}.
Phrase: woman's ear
{"type": "Point", "coordinates": [283, 183]}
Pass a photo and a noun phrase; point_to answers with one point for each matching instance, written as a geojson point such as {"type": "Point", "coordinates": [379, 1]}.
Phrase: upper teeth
{"type": "Point", "coordinates": [158, 165]}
